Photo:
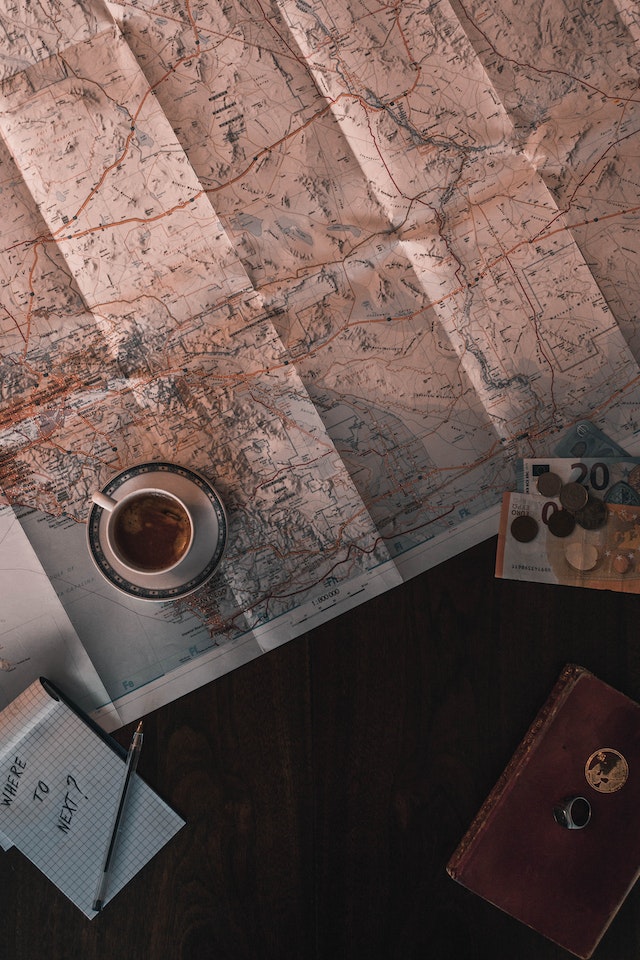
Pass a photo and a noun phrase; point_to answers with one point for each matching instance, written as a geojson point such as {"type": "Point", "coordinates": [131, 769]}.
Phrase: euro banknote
{"type": "Point", "coordinates": [612, 479]}
{"type": "Point", "coordinates": [604, 558]}
{"type": "Point", "coordinates": [584, 439]}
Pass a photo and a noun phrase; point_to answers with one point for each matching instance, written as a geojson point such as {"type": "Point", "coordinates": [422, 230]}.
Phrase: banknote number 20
{"type": "Point", "coordinates": [598, 475]}
{"type": "Point", "coordinates": [548, 509]}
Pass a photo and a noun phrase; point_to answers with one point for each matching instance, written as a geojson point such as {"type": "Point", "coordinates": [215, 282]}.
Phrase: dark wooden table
{"type": "Point", "coordinates": [326, 784]}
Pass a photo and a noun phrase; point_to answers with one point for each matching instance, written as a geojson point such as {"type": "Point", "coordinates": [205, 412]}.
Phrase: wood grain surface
{"type": "Point", "coordinates": [326, 784]}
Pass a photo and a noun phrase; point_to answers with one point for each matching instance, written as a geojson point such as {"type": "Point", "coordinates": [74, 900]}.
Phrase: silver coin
{"type": "Point", "coordinates": [581, 556]}
{"type": "Point", "coordinates": [549, 484]}
{"type": "Point", "coordinates": [593, 515]}
{"type": "Point", "coordinates": [573, 496]}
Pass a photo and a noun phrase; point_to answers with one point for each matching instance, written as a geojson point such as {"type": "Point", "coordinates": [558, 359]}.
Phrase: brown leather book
{"type": "Point", "coordinates": [567, 884]}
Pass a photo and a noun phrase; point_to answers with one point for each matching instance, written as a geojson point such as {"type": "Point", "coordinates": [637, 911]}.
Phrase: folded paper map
{"type": "Point", "coordinates": [348, 261]}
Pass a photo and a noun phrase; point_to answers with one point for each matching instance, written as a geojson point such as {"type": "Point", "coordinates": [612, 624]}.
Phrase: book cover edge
{"type": "Point", "coordinates": [570, 675]}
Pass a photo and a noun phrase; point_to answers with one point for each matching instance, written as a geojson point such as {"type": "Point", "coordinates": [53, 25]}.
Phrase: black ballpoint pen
{"type": "Point", "coordinates": [130, 769]}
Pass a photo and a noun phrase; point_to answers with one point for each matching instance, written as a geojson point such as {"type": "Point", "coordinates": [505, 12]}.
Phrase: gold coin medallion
{"type": "Point", "coordinates": [606, 770]}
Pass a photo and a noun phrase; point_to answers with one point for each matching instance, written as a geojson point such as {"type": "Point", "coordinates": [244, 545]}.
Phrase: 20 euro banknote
{"type": "Point", "coordinates": [613, 479]}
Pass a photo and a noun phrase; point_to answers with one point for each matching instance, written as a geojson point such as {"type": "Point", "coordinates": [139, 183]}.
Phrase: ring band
{"type": "Point", "coordinates": [573, 813]}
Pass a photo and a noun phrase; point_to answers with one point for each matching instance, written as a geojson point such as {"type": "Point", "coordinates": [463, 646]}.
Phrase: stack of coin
{"type": "Point", "coordinates": [577, 505]}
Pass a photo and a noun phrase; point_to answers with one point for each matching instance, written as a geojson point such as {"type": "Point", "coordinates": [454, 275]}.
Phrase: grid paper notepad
{"type": "Point", "coordinates": [60, 781]}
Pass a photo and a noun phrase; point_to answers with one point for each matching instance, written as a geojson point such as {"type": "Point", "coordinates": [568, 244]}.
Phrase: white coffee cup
{"type": "Point", "coordinates": [148, 530]}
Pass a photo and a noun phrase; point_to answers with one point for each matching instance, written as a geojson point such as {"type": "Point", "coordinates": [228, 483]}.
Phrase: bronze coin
{"type": "Point", "coordinates": [561, 523]}
{"type": "Point", "coordinates": [606, 770]}
{"type": "Point", "coordinates": [549, 484]}
{"type": "Point", "coordinates": [622, 563]}
{"type": "Point", "coordinates": [593, 515]}
{"type": "Point", "coordinates": [573, 496]}
{"type": "Point", "coordinates": [524, 528]}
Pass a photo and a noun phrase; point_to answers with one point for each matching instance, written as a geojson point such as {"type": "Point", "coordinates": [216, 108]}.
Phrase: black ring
{"type": "Point", "coordinates": [573, 813]}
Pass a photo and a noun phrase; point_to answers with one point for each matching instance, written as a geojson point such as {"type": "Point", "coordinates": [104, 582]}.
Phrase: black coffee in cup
{"type": "Point", "coordinates": [151, 531]}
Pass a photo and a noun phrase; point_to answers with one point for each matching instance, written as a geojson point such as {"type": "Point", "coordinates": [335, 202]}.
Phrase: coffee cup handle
{"type": "Point", "coordinates": [107, 503]}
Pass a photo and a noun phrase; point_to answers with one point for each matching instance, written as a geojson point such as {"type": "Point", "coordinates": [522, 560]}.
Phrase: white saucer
{"type": "Point", "coordinates": [209, 542]}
